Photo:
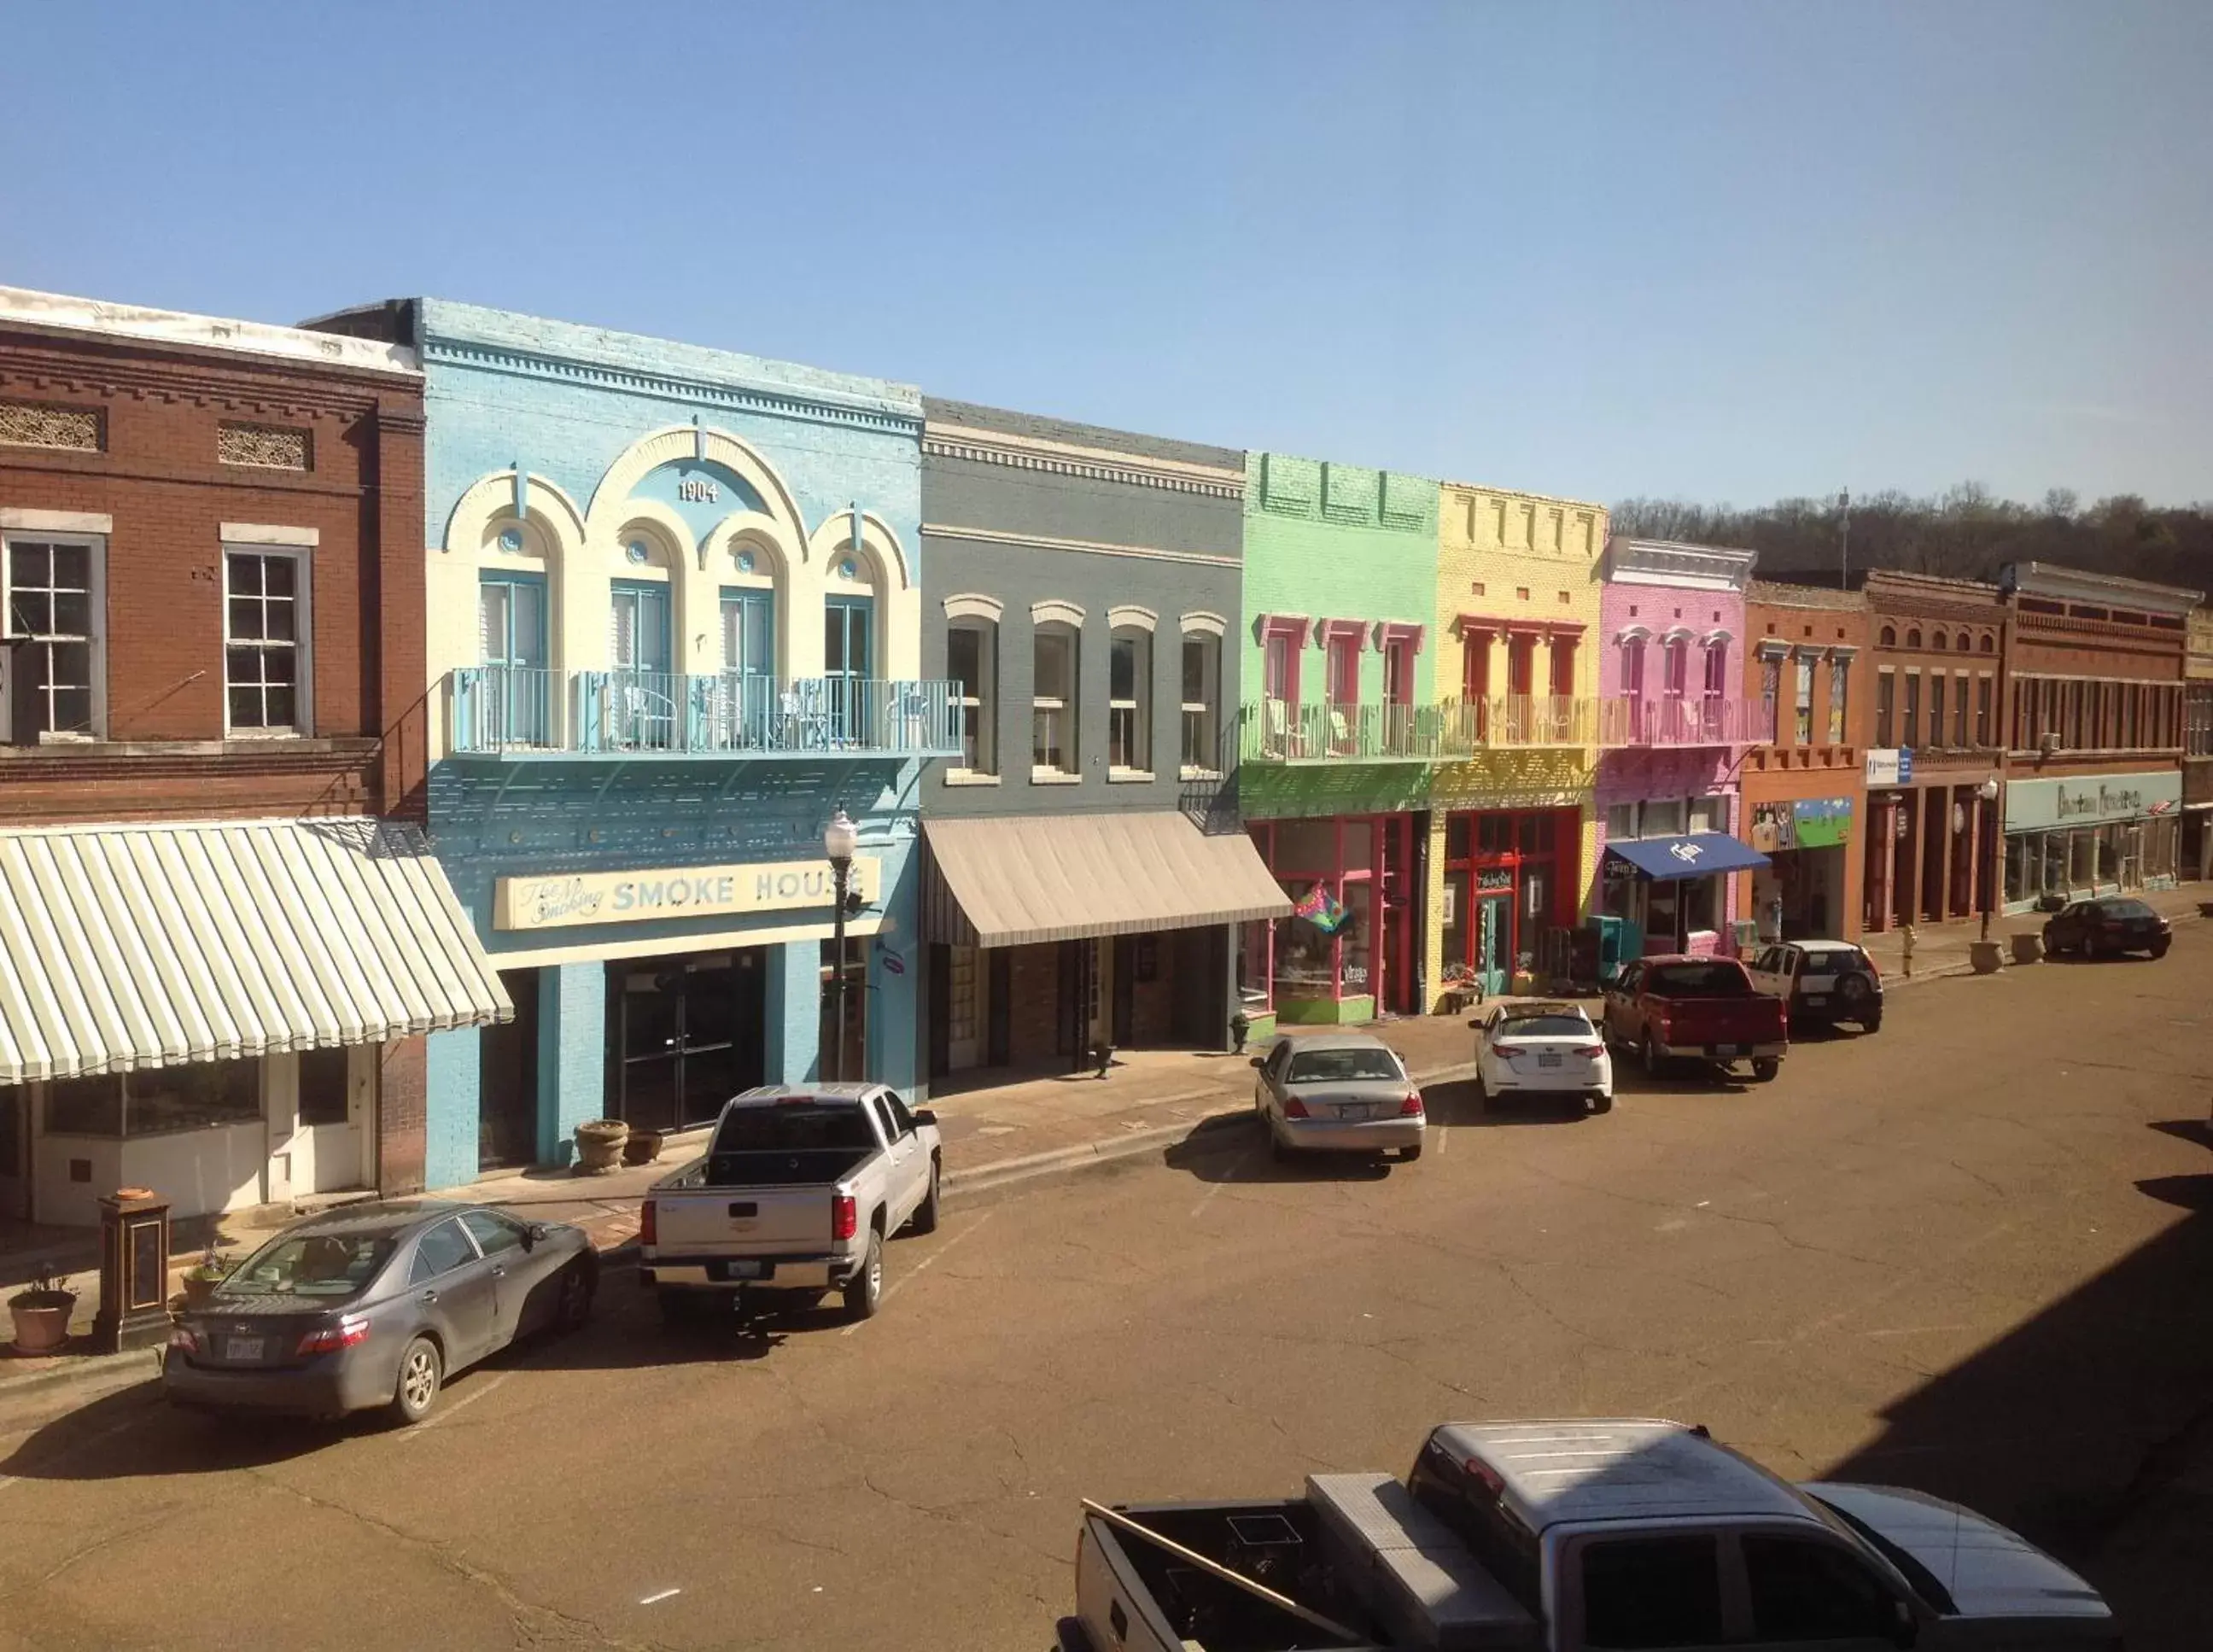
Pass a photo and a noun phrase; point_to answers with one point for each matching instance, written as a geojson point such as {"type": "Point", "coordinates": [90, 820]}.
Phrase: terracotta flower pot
{"type": "Point", "coordinates": [642, 1147]}
{"type": "Point", "coordinates": [199, 1291]}
{"type": "Point", "coordinates": [600, 1146]}
{"type": "Point", "coordinates": [42, 1320]}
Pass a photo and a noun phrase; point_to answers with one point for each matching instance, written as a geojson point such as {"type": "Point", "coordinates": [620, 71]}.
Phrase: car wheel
{"type": "Point", "coordinates": [574, 1306]}
{"type": "Point", "coordinates": [1765, 1069]}
{"type": "Point", "coordinates": [1482, 1093]}
{"type": "Point", "coordinates": [1278, 1150]}
{"type": "Point", "coordinates": [1872, 1021]}
{"type": "Point", "coordinates": [421, 1373]}
{"type": "Point", "coordinates": [924, 1219]}
{"type": "Point", "coordinates": [864, 1291]}
{"type": "Point", "coordinates": [1652, 1062]}
{"type": "Point", "coordinates": [1601, 1102]}
{"type": "Point", "coordinates": [2093, 947]}
{"type": "Point", "coordinates": [2158, 946]}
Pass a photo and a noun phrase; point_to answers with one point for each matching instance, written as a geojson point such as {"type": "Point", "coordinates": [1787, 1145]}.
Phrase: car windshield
{"type": "Point", "coordinates": [1544, 1026]}
{"type": "Point", "coordinates": [2124, 909]}
{"type": "Point", "coordinates": [1343, 1066]}
{"type": "Point", "coordinates": [1718, 980]}
{"type": "Point", "coordinates": [311, 1264]}
{"type": "Point", "coordinates": [794, 1127]}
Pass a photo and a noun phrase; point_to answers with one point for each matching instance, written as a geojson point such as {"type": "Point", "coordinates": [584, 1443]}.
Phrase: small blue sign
{"type": "Point", "coordinates": [1905, 767]}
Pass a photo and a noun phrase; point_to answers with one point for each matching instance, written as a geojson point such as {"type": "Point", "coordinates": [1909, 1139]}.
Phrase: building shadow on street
{"type": "Point", "coordinates": [2090, 1427]}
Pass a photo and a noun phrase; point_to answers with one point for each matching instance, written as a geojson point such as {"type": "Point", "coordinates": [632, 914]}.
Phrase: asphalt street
{"type": "Point", "coordinates": [1969, 1253]}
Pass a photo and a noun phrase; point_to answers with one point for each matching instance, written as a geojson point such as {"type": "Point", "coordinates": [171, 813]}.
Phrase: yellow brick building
{"type": "Point", "coordinates": [1513, 837]}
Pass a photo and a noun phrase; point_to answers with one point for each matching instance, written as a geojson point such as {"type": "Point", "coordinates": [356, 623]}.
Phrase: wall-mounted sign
{"type": "Point", "coordinates": [1494, 877]}
{"type": "Point", "coordinates": [552, 903]}
{"type": "Point", "coordinates": [1822, 822]}
{"type": "Point", "coordinates": [2088, 799]}
{"type": "Point", "coordinates": [1890, 768]}
{"type": "Point", "coordinates": [1774, 828]}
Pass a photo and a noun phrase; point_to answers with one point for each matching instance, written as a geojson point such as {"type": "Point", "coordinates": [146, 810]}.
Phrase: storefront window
{"type": "Point", "coordinates": [1305, 957]}
{"type": "Point", "coordinates": [2110, 851]}
{"type": "Point", "coordinates": [2055, 861]}
{"type": "Point", "coordinates": [1456, 921]}
{"type": "Point", "coordinates": [157, 1101]}
{"type": "Point", "coordinates": [85, 1106]}
{"type": "Point", "coordinates": [2082, 858]}
{"type": "Point", "coordinates": [2018, 850]}
{"type": "Point", "coordinates": [1307, 846]}
{"type": "Point", "coordinates": [1357, 935]}
{"type": "Point", "coordinates": [1254, 993]}
{"type": "Point", "coordinates": [1663, 818]}
{"type": "Point", "coordinates": [1710, 814]}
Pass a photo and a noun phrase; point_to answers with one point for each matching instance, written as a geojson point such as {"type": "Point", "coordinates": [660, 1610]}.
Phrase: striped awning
{"type": "Point", "coordinates": [135, 946]}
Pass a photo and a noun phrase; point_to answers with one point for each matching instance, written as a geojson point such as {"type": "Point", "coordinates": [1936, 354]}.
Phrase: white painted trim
{"type": "Point", "coordinates": [1128, 616]}
{"type": "Point", "coordinates": [1094, 548]}
{"type": "Point", "coordinates": [56, 521]}
{"type": "Point", "coordinates": [973, 604]}
{"type": "Point", "coordinates": [269, 534]}
{"type": "Point", "coordinates": [1206, 620]}
{"type": "Point", "coordinates": [968, 777]}
{"type": "Point", "coordinates": [1106, 464]}
{"type": "Point", "coordinates": [43, 309]}
{"type": "Point", "coordinates": [1054, 611]}
{"type": "Point", "coordinates": [303, 647]}
{"type": "Point", "coordinates": [539, 958]}
{"type": "Point", "coordinates": [1053, 777]}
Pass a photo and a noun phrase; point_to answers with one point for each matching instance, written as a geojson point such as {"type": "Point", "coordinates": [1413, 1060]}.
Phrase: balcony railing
{"type": "Point", "coordinates": [1276, 731]}
{"type": "Point", "coordinates": [1681, 720]}
{"type": "Point", "coordinates": [1511, 721]}
{"type": "Point", "coordinates": [526, 711]}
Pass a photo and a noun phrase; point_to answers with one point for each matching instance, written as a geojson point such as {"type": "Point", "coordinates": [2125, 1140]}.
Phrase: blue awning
{"type": "Point", "coordinates": [1694, 857]}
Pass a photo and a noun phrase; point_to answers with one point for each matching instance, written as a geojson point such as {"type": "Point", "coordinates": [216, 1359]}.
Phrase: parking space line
{"type": "Point", "coordinates": [466, 1400]}
{"type": "Point", "coordinates": [922, 1266]}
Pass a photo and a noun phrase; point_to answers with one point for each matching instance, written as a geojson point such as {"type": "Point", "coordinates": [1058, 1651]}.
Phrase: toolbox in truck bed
{"type": "Point", "coordinates": [1417, 1578]}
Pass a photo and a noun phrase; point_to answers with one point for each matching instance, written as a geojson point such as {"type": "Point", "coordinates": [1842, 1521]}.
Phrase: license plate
{"type": "Point", "coordinates": [243, 1348]}
{"type": "Point", "coordinates": [1548, 1061]}
{"type": "Point", "coordinates": [1728, 1049]}
{"type": "Point", "coordinates": [1352, 1110]}
{"type": "Point", "coordinates": [741, 1270]}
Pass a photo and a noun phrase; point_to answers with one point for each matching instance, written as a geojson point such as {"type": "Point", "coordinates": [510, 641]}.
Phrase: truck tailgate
{"type": "Point", "coordinates": [742, 1221]}
{"type": "Point", "coordinates": [1725, 1020]}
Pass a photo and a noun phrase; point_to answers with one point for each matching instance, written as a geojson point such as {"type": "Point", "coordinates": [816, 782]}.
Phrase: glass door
{"type": "Point", "coordinates": [1494, 939]}
{"type": "Point", "coordinates": [517, 697]}
{"type": "Point", "coordinates": [689, 1036]}
{"type": "Point", "coordinates": [744, 698]}
{"type": "Point", "coordinates": [642, 712]}
{"type": "Point", "coordinates": [848, 662]}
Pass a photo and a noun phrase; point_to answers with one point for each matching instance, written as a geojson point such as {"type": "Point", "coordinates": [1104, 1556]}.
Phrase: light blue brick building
{"type": "Point", "coordinates": [673, 625]}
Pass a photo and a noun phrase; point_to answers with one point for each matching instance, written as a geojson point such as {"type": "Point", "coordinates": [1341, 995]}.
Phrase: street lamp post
{"type": "Point", "coordinates": [1988, 792]}
{"type": "Point", "coordinates": [839, 840]}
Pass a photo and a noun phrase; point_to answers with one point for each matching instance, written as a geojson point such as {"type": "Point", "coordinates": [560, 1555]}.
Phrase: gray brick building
{"type": "Point", "coordinates": [1085, 870]}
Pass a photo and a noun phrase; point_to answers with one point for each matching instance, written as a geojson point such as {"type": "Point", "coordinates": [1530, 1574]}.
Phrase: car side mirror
{"type": "Point", "coordinates": [1476, 1025]}
{"type": "Point", "coordinates": [533, 1234]}
{"type": "Point", "coordinates": [924, 1116]}
{"type": "Point", "coordinates": [1905, 1627]}
{"type": "Point", "coordinates": [1260, 1061]}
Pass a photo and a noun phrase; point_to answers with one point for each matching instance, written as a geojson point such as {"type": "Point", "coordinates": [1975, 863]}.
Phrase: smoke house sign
{"type": "Point", "coordinates": [552, 903]}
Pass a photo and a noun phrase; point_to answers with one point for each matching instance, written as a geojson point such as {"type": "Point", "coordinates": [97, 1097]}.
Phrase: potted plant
{"type": "Point", "coordinates": [1984, 956]}
{"type": "Point", "coordinates": [600, 1146]}
{"type": "Point", "coordinates": [642, 1147]}
{"type": "Point", "coordinates": [204, 1276]}
{"type": "Point", "coordinates": [41, 1312]}
{"type": "Point", "coordinates": [1240, 1029]}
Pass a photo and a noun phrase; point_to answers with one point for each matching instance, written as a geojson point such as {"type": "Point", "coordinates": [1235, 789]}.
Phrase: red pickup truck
{"type": "Point", "coordinates": [1696, 1010]}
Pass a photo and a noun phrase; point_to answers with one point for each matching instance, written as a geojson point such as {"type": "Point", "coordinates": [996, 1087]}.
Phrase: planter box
{"type": "Point", "coordinates": [2028, 948]}
{"type": "Point", "coordinates": [1986, 956]}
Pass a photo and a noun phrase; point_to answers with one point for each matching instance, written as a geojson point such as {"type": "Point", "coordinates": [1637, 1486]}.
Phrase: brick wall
{"type": "Point", "coordinates": [399, 1119]}
{"type": "Point", "coordinates": [1032, 1005]}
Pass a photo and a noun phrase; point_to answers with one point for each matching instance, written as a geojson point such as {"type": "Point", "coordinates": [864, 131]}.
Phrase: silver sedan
{"type": "Point", "coordinates": [1340, 1092]}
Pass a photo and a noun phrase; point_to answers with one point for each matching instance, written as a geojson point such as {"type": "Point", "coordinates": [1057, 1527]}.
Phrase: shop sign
{"type": "Point", "coordinates": [1822, 822]}
{"type": "Point", "coordinates": [1774, 828]}
{"type": "Point", "coordinates": [1494, 877]}
{"type": "Point", "coordinates": [2088, 799]}
{"type": "Point", "coordinates": [553, 903]}
{"type": "Point", "coordinates": [1890, 767]}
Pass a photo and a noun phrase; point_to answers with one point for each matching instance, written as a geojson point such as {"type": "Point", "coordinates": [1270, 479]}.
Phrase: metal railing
{"type": "Point", "coordinates": [1512, 722]}
{"type": "Point", "coordinates": [1274, 731]}
{"type": "Point", "coordinates": [1682, 720]}
{"type": "Point", "coordinates": [522, 710]}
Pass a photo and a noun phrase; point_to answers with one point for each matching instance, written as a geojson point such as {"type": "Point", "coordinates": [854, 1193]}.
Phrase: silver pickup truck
{"type": "Point", "coordinates": [798, 1190]}
{"type": "Point", "coordinates": [1568, 1537]}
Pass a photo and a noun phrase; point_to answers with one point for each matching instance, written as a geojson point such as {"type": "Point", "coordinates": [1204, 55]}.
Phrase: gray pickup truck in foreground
{"type": "Point", "coordinates": [798, 1190]}
{"type": "Point", "coordinates": [1564, 1536]}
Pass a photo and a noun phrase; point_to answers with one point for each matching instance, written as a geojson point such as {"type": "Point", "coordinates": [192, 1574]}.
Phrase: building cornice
{"type": "Point", "coordinates": [672, 387]}
{"type": "Point", "coordinates": [2081, 585]}
{"type": "Point", "coordinates": [138, 324]}
{"type": "Point", "coordinates": [1091, 464]}
{"type": "Point", "coordinates": [1094, 547]}
{"type": "Point", "coordinates": [1665, 561]}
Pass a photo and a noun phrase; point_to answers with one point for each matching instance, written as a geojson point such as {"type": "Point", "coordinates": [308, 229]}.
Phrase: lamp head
{"type": "Point", "coordinates": [840, 838]}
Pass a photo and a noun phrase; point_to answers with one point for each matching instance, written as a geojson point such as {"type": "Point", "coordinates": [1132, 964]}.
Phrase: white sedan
{"type": "Point", "coordinates": [1523, 1049]}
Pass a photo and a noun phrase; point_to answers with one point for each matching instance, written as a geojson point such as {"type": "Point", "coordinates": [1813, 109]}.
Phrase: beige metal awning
{"type": "Point", "coordinates": [1008, 881]}
{"type": "Point", "coordinates": [134, 945]}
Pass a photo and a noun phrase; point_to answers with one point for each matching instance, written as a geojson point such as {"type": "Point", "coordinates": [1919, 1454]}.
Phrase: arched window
{"type": "Point", "coordinates": [1989, 644]}
{"type": "Point", "coordinates": [1961, 644]}
{"type": "Point", "coordinates": [1913, 638]}
{"type": "Point", "coordinates": [1130, 700]}
{"type": "Point", "coordinates": [1938, 640]}
{"type": "Point", "coordinates": [1889, 638]}
{"type": "Point", "coordinates": [1053, 700]}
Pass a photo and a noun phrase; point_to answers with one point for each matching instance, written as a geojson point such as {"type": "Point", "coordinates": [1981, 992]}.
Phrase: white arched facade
{"type": "Point", "coordinates": [534, 527]}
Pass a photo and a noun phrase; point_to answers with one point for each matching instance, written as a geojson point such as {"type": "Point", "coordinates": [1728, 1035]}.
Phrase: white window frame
{"type": "Point", "coordinates": [1207, 710]}
{"type": "Point", "coordinates": [1068, 706]}
{"type": "Point", "coordinates": [1137, 709]}
{"type": "Point", "coordinates": [304, 649]}
{"type": "Point", "coordinates": [981, 708]}
{"type": "Point", "coordinates": [95, 546]}
{"type": "Point", "coordinates": [1716, 804]}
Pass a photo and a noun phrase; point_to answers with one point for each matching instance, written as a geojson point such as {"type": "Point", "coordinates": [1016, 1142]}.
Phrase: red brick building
{"type": "Point", "coordinates": [223, 939]}
{"type": "Point", "coordinates": [1805, 661]}
{"type": "Point", "coordinates": [1936, 760]}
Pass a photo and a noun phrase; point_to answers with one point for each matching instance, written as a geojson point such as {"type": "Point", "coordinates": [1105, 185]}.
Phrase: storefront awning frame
{"type": "Point", "coordinates": [1694, 855]}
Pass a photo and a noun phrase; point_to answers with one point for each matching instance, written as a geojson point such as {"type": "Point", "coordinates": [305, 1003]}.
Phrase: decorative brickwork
{"type": "Point", "coordinates": [271, 447]}
{"type": "Point", "coordinates": [34, 424]}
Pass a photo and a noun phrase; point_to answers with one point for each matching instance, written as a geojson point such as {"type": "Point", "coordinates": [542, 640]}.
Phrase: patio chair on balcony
{"type": "Point", "coordinates": [645, 719]}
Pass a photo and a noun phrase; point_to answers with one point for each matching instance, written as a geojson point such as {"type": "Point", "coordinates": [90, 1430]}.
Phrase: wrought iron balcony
{"type": "Point", "coordinates": [1276, 731]}
{"type": "Point", "coordinates": [1517, 721]}
{"type": "Point", "coordinates": [1679, 720]}
{"type": "Point", "coordinates": [531, 712]}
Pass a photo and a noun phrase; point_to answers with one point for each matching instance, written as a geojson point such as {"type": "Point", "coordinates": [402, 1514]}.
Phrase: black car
{"type": "Point", "coordinates": [376, 1305]}
{"type": "Point", "coordinates": [2107, 925]}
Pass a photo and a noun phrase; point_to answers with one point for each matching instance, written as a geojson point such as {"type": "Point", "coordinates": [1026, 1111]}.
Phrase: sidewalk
{"type": "Point", "coordinates": [1942, 948]}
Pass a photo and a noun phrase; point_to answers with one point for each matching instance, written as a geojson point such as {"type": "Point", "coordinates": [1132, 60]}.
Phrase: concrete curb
{"type": "Point", "coordinates": [87, 1375]}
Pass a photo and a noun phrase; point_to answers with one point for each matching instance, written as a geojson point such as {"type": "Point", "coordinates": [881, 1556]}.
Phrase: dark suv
{"type": "Point", "coordinates": [2109, 924]}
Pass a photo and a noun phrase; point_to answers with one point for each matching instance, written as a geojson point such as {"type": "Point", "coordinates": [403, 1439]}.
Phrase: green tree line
{"type": "Point", "coordinates": [1965, 533]}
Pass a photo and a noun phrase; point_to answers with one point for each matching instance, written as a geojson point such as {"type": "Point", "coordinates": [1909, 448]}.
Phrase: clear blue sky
{"type": "Point", "coordinates": [1714, 251]}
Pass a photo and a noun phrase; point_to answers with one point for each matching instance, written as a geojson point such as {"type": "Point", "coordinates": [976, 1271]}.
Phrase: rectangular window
{"type": "Point", "coordinates": [1052, 700]}
{"type": "Point", "coordinates": [1840, 671]}
{"type": "Point", "coordinates": [1885, 709]}
{"type": "Point", "coordinates": [157, 1101]}
{"type": "Point", "coordinates": [1710, 814]}
{"type": "Point", "coordinates": [1399, 671]}
{"type": "Point", "coordinates": [1520, 666]}
{"type": "Point", "coordinates": [749, 631]}
{"type": "Point", "coordinates": [1475, 667]}
{"type": "Point", "coordinates": [1129, 701]}
{"type": "Point", "coordinates": [1280, 668]}
{"type": "Point", "coordinates": [1202, 694]}
{"type": "Point", "coordinates": [51, 666]}
{"type": "Point", "coordinates": [1770, 697]}
{"type": "Point", "coordinates": [1716, 670]}
{"type": "Point", "coordinates": [1662, 817]}
{"type": "Point", "coordinates": [2197, 732]}
{"type": "Point", "coordinates": [1344, 670]}
{"type": "Point", "coordinates": [971, 659]}
{"type": "Point", "coordinates": [1632, 668]}
{"type": "Point", "coordinates": [1802, 703]}
{"type": "Point", "coordinates": [1910, 733]}
{"type": "Point", "coordinates": [265, 641]}
{"type": "Point", "coordinates": [1563, 667]}
{"type": "Point", "coordinates": [1936, 708]}
{"type": "Point", "coordinates": [1960, 710]}
{"type": "Point", "coordinates": [1677, 665]}
{"type": "Point", "coordinates": [1620, 822]}
{"type": "Point", "coordinates": [1983, 710]}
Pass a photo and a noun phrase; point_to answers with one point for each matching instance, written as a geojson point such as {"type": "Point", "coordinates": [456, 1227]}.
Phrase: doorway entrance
{"type": "Point", "coordinates": [14, 1151]}
{"type": "Point", "coordinates": [327, 1148]}
{"type": "Point", "coordinates": [687, 1036]}
{"type": "Point", "coordinates": [507, 1121]}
